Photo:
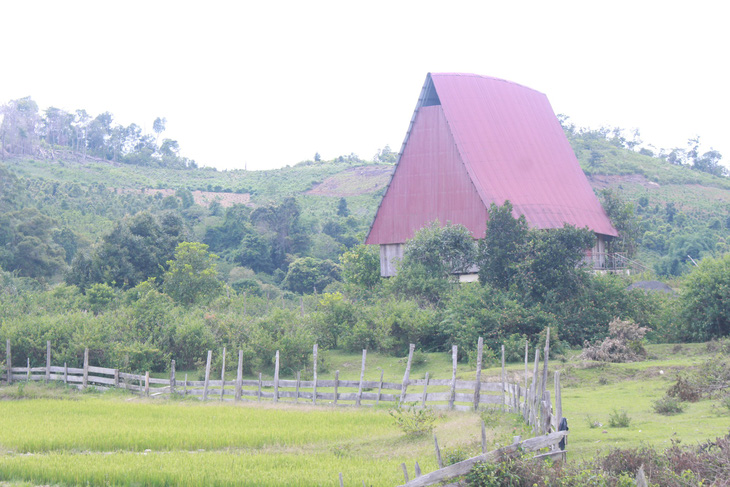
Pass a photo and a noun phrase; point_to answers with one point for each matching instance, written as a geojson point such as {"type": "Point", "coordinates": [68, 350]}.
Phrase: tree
{"type": "Point", "coordinates": [705, 300]}
{"type": "Point", "coordinates": [191, 276]}
{"type": "Point", "coordinates": [431, 258]}
{"type": "Point", "coordinates": [158, 126]}
{"type": "Point", "coordinates": [307, 274]}
{"type": "Point", "coordinates": [501, 249]}
{"type": "Point", "coordinates": [361, 266]}
{"type": "Point", "coordinates": [624, 219]}
{"type": "Point", "coordinates": [342, 209]}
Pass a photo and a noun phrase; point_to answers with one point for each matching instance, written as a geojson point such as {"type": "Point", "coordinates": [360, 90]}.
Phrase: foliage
{"type": "Point", "coordinates": [431, 257]}
{"type": "Point", "coordinates": [619, 419]}
{"type": "Point", "coordinates": [191, 275]}
{"type": "Point", "coordinates": [624, 344]}
{"type": "Point", "coordinates": [414, 420]}
{"type": "Point", "coordinates": [501, 249]}
{"type": "Point", "coordinates": [705, 301]}
{"type": "Point", "coordinates": [307, 275]}
{"type": "Point", "coordinates": [668, 405]}
{"type": "Point", "coordinates": [624, 220]}
{"type": "Point", "coordinates": [361, 266]}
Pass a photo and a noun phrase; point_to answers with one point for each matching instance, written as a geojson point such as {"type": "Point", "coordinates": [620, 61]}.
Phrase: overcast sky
{"type": "Point", "coordinates": [266, 84]}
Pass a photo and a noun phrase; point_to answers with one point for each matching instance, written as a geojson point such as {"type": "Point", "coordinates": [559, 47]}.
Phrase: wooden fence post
{"type": "Point", "coordinates": [425, 392]}
{"type": "Point", "coordinates": [438, 452]}
{"type": "Point", "coordinates": [116, 376]}
{"type": "Point", "coordinates": [259, 393]}
{"type": "Point", "coordinates": [28, 373]}
{"type": "Point", "coordinates": [418, 470]}
{"type": "Point", "coordinates": [558, 400]}
{"type": "Point", "coordinates": [185, 386]}
{"type": "Point", "coordinates": [405, 471]}
{"type": "Point", "coordinates": [223, 373]}
{"type": "Point", "coordinates": [362, 378]}
{"type": "Point", "coordinates": [484, 437]}
{"type": "Point", "coordinates": [337, 384]}
{"type": "Point", "coordinates": [86, 368]}
{"type": "Point", "coordinates": [380, 386]}
{"type": "Point", "coordinates": [406, 376]}
{"type": "Point", "coordinates": [48, 360]}
{"type": "Point", "coordinates": [65, 373]}
{"type": "Point", "coordinates": [452, 396]}
{"type": "Point", "coordinates": [276, 378]}
{"type": "Point", "coordinates": [478, 385]}
{"type": "Point", "coordinates": [239, 376]}
{"type": "Point", "coordinates": [299, 379]}
{"type": "Point", "coordinates": [504, 399]}
{"type": "Point", "coordinates": [8, 362]}
{"type": "Point", "coordinates": [172, 377]}
{"type": "Point", "coordinates": [207, 375]}
{"type": "Point", "coordinates": [314, 375]}
{"type": "Point", "coordinates": [147, 383]}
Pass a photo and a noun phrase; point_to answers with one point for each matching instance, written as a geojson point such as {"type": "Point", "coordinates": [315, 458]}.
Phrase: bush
{"type": "Point", "coordinates": [624, 344]}
{"type": "Point", "coordinates": [668, 405]}
{"type": "Point", "coordinates": [619, 419]}
{"type": "Point", "coordinates": [414, 420]}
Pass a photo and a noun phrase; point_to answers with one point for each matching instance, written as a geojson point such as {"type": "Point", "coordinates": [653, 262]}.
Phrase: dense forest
{"type": "Point", "coordinates": [110, 239]}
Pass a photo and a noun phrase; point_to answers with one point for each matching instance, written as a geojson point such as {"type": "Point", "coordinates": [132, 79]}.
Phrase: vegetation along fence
{"type": "Point", "coordinates": [533, 402]}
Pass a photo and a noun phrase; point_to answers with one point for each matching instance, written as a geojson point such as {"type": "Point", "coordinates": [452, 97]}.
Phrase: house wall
{"type": "Point", "coordinates": [390, 254]}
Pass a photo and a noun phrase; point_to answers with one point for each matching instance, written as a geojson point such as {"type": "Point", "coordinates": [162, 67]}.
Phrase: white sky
{"type": "Point", "coordinates": [268, 84]}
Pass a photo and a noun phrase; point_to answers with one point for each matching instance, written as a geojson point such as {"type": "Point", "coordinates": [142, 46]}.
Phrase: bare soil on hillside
{"type": "Point", "coordinates": [354, 182]}
{"type": "Point", "coordinates": [202, 198]}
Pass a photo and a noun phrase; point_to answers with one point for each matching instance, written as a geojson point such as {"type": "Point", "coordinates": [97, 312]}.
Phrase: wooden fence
{"type": "Point", "coordinates": [451, 393]}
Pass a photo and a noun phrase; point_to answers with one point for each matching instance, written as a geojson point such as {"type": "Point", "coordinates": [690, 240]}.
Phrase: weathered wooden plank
{"type": "Point", "coordinates": [100, 370]}
{"type": "Point", "coordinates": [86, 367]}
{"type": "Point", "coordinates": [172, 377]}
{"type": "Point", "coordinates": [425, 391]}
{"type": "Point", "coordinates": [314, 372]}
{"type": "Point", "coordinates": [239, 375]}
{"type": "Point", "coordinates": [276, 378]}
{"type": "Point", "coordinates": [8, 363]}
{"type": "Point", "coordinates": [406, 376]}
{"type": "Point", "coordinates": [462, 468]}
{"type": "Point", "coordinates": [100, 380]}
{"type": "Point", "coordinates": [48, 360]}
{"type": "Point", "coordinates": [155, 380]}
{"type": "Point", "coordinates": [223, 373]}
{"type": "Point", "coordinates": [207, 375]}
{"type": "Point", "coordinates": [477, 385]}
{"type": "Point", "coordinates": [362, 378]}
{"type": "Point", "coordinates": [454, 352]}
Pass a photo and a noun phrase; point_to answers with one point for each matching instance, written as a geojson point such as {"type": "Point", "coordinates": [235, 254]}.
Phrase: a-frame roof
{"type": "Point", "coordinates": [512, 147]}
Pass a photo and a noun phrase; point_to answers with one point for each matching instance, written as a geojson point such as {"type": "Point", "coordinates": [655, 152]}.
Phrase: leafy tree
{"type": "Point", "coordinates": [431, 257]}
{"type": "Point", "coordinates": [624, 220]}
{"type": "Point", "coordinates": [342, 209]}
{"type": "Point", "coordinates": [307, 275]}
{"type": "Point", "coordinates": [705, 300]}
{"type": "Point", "coordinates": [191, 276]}
{"type": "Point", "coordinates": [501, 249]}
{"type": "Point", "coordinates": [361, 266]}
{"type": "Point", "coordinates": [158, 126]}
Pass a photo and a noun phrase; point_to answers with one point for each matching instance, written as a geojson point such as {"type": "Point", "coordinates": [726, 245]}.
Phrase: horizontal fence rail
{"type": "Point", "coordinates": [444, 393]}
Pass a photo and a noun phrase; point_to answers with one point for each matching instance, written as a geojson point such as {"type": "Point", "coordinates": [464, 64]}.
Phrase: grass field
{"type": "Point", "coordinates": [58, 436]}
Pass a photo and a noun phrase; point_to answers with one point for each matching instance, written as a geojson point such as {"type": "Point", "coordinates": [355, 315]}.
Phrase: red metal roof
{"type": "Point", "coordinates": [512, 147]}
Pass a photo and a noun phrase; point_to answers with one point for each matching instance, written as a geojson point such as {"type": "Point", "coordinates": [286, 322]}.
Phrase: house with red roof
{"type": "Point", "coordinates": [473, 141]}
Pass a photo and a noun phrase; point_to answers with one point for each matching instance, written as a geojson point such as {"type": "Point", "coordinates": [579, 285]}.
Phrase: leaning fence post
{"type": "Point", "coordinates": [478, 385]}
{"type": "Point", "coordinates": [239, 376]}
{"type": "Point", "coordinates": [405, 471]}
{"type": "Point", "coordinates": [207, 375]}
{"type": "Point", "coordinates": [172, 377]}
{"type": "Point", "coordinates": [380, 386]}
{"type": "Point", "coordinates": [418, 470]}
{"type": "Point", "coordinates": [425, 391]}
{"type": "Point", "coordinates": [8, 362]}
{"type": "Point", "coordinates": [504, 399]}
{"type": "Point", "coordinates": [484, 437]}
{"type": "Point", "coordinates": [276, 378]}
{"type": "Point", "coordinates": [452, 396]}
{"type": "Point", "coordinates": [223, 373]}
{"type": "Point", "coordinates": [314, 375]}
{"type": "Point", "coordinates": [48, 360]}
{"type": "Point", "coordinates": [406, 376]}
{"type": "Point", "coordinates": [438, 452]}
{"type": "Point", "coordinates": [86, 368]}
{"type": "Point", "coordinates": [362, 378]}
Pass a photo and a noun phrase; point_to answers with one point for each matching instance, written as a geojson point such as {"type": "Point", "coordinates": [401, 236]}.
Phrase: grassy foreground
{"type": "Point", "coordinates": [50, 435]}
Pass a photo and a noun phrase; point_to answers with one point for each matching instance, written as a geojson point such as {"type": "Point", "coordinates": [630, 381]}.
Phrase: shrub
{"type": "Point", "coordinates": [668, 405]}
{"type": "Point", "coordinates": [414, 420]}
{"type": "Point", "coordinates": [619, 419]}
{"type": "Point", "coordinates": [624, 344]}
{"type": "Point", "coordinates": [454, 455]}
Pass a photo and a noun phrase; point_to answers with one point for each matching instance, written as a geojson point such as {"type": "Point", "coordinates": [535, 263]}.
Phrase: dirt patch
{"type": "Point", "coordinates": [355, 181]}
{"type": "Point", "coordinates": [202, 198]}
{"type": "Point", "coordinates": [603, 181]}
